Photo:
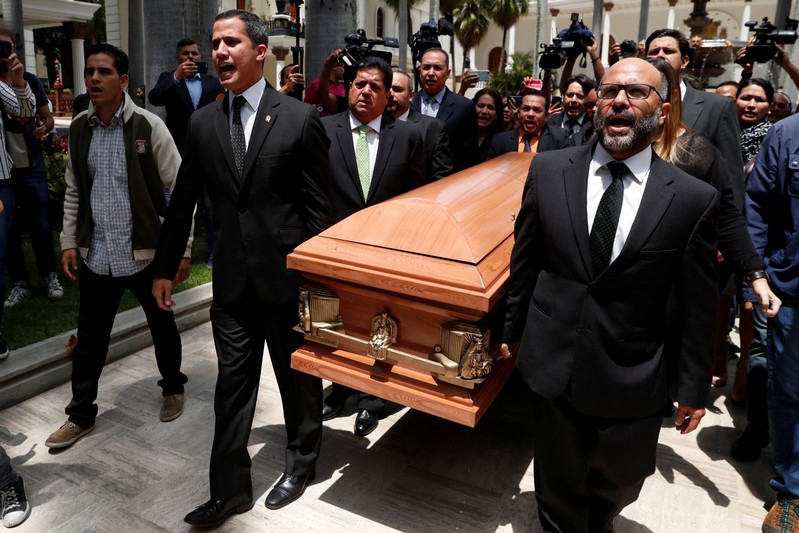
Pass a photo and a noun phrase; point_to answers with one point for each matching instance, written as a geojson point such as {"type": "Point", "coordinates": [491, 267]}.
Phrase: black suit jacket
{"type": "Point", "coordinates": [435, 141]}
{"type": "Point", "coordinates": [177, 100]}
{"type": "Point", "coordinates": [600, 340]}
{"type": "Point", "coordinates": [715, 116]}
{"type": "Point", "coordinates": [281, 201]}
{"type": "Point", "coordinates": [458, 113]}
{"type": "Point", "coordinates": [552, 138]}
{"type": "Point", "coordinates": [398, 165]}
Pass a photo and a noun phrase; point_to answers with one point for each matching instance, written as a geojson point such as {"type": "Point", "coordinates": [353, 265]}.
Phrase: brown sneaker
{"type": "Point", "coordinates": [66, 435]}
{"type": "Point", "coordinates": [172, 407]}
{"type": "Point", "coordinates": [783, 517]}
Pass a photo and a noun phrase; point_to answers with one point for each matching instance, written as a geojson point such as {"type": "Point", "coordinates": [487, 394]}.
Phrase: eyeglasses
{"type": "Point", "coordinates": [635, 91]}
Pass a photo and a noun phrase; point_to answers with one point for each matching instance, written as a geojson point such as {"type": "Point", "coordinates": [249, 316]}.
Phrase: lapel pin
{"type": "Point", "coordinates": [268, 118]}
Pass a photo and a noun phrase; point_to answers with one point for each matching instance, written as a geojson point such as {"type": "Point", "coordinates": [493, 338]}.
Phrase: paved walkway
{"type": "Point", "coordinates": [415, 473]}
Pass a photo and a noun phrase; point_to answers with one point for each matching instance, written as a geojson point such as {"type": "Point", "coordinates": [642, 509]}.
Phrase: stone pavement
{"type": "Point", "coordinates": [415, 473]}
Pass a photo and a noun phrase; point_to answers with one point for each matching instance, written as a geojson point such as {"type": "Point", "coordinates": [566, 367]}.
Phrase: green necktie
{"type": "Point", "coordinates": [362, 159]}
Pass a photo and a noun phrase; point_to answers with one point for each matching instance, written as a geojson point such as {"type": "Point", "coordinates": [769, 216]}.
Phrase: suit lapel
{"type": "Point", "coordinates": [344, 138]}
{"type": "Point", "coordinates": [265, 117]}
{"type": "Point", "coordinates": [692, 107]}
{"type": "Point", "coordinates": [654, 203]}
{"type": "Point", "coordinates": [384, 147]}
{"type": "Point", "coordinates": [575, 182]}
{"type": "Point", "coordinates": [446, 108]}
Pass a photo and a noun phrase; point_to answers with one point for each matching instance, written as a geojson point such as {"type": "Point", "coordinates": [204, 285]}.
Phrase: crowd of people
{"type": "Point", "coordinates": [652, 210]}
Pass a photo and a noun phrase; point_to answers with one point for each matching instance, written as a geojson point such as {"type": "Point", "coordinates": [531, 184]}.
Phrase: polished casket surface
{"type": "Point", "coordinates": [430, 258]}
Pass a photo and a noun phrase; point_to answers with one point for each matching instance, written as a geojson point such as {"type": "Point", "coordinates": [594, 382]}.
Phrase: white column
{"type": "Point", "coordinates": [670, 21]}
{"type": "Point", "coordinates": [473, 57]}
{"type": "Point", "coordinates": [78, 64]}
{"type": "Point", "coordinates": [747, 16]}
{"type": "Point", "coordinates": [362, 15]}
{"type": "Point", "coordinates": [511, 42]}
{"type": "Point", "coordinates": [606, 33]}
{"type": "Point", "coordinates": [30, 52]}
{"type": "Point", "coordinates": [553, 27]}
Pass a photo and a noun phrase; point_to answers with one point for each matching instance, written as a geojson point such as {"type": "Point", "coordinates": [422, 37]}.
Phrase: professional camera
{"type": "Point", "coordinates": [570, 43]}
{"type": "Point", "coordinates": [359, 46]}
{"type": "Point", "coordinates": [766, 37]}
{"type": "Point", "coordinates": [628, 47]}
{"type": "Point", "coordinates": [427, 37]}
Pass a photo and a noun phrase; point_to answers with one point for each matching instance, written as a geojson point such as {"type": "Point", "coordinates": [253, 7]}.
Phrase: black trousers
{"type": "Point", "coordinates": [239, 335]}
{"type": "Point", "coordinates": [340, 393]}
{"type": "Point", "coordinates": [99, 300]}
{"type": "Point", "coordinates": [587, 469]}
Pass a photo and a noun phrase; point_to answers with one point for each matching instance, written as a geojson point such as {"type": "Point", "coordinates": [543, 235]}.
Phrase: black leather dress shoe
{"type": "Point", "coordinates": [365, 422]}
{"type": "Point", "coordinates": [287, 489]}
{"type": "Point", "coordinates": [331, 407]}
{"type": "Point", "coordinates": [213, 512]}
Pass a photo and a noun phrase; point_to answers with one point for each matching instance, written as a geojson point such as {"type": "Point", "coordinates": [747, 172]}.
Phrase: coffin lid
{"type": "Point", "coordinates": [460, 218]}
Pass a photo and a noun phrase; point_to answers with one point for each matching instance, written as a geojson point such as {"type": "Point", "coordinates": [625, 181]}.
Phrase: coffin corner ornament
{"type": "Point", "coordinates": [384, 334]}
{"type": "Point", "coordinates": [318, 308]}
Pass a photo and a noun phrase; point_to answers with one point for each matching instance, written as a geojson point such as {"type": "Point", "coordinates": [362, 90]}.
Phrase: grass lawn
{"type": "Point", "coordinates": [37, 318]}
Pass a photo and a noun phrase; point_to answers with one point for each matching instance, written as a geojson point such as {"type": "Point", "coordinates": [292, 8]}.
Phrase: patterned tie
{"type": "Point", "coordinates": [362, 159]}
{"type": "Point", "coordinates": [237, 135]}
{"type": "Point", "coordinates": [527, 143]}
{"type": "Point", "coordinates": [430, 103]}
{"type": "Point", "coordinates": [603, 232]}
{"type": "Point", "coordinates": [572, 126]}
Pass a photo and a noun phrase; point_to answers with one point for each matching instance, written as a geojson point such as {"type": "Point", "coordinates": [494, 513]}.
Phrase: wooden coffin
{"type": "Point", "coordinates": [431, 259]}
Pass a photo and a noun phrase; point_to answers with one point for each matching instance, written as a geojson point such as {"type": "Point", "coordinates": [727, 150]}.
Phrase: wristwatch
{"type": "Point", "coordinates": [757, 274]}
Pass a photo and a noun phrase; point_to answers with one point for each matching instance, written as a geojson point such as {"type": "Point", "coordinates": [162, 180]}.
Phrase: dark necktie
{"type": "Point", "coordinates": [572, 126]}
{"type": "Point", "coordinates": [527, 143]}
{"type": "Point", "coordinates": [237, 135]}
{"type": "Point", "coordinates": [603, 232]}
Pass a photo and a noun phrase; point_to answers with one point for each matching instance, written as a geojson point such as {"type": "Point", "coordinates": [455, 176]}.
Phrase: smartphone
{"type": "Point", "coordinates": [202, 67]}
{"type": "Point", "coordinates": [556, 100]}
{"type": "Point", "coordinates": [482, 75]}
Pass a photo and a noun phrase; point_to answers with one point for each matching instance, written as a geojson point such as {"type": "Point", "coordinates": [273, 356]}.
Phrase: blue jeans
{"type": "Point", "coordinates": [6, 219]}
{"type": "Point", "coordinates": [33, 201]}
{"type": "Point", "coordinates": [783, 397]}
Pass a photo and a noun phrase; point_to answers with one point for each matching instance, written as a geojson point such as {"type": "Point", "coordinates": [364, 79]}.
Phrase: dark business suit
{"type": "Point", "coordinates": [398, 168]}
{"type": "Point", "coordinates": [437, 151]}
{"type": "Point", "coordinates": [715, 116]}
{"type": "Point", "coordinates": [175, 97]}
{"type": "Point", "coordinates": [552, 138]}
{"type": "Point", "coordinates": [592, 347]}
{"type": "Point", "coordinates": [459, 115]}
{"type": "Point", "coordinates": [280, 201]}
{"type": "Point", "coordinates": [585, 130]}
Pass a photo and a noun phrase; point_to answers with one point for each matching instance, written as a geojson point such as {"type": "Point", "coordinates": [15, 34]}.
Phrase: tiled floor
{"type": "Point", "coordinates": [415, 473]}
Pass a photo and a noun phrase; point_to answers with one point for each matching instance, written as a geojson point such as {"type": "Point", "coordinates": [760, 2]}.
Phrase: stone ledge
{"type": "Point", "coordinates": [36, 368]}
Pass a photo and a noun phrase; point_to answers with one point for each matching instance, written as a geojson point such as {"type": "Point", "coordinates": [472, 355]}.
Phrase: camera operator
{"type": "Point", "coordinates": [327, 92]}
{"type": "Point", "coordinates": [291, 79]}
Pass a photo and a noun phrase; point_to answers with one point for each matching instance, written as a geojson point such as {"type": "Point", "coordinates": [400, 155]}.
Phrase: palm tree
{"type": "Point", "coordinates": [505, 13]}
{"type": "Point", "coordinates": [471, 24]}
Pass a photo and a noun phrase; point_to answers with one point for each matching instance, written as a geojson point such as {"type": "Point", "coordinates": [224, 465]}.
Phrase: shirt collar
{"type": "Point", "coordinates": [683, 90]}
{"type": "Point", "coordinates": [404, 117]}
{"type": "Point", "coordinates": [439, 96]}
{"type": "Point", "coordinates": [375, 124]}
{"type": "Point", "coordinates": [578, 120]}
{"type": "Point", "coordinates": [94, 120]}
{"type": "Point", "coordinates": [638, 164]}
{"type": "Point", "coordinates": [252, 94]}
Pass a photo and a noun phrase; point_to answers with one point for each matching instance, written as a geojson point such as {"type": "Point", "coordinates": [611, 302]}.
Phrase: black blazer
{"type": "Point", "coordinates": [435, 141]}
{"type": "Point", "coordinates": [601, 339]}
{"type": "Point", "coordinates": [398, 166]}
{"type": "Point", "coordinates": [177, 100]}
{"type": "Point", "coordinates": [715, 116]}
{"type": "Point", "coordinates": [552, 138]}
{"type": "Point", "coordinates": [458, 113]}
{"type": "Point", "coordinates": [281, 200]}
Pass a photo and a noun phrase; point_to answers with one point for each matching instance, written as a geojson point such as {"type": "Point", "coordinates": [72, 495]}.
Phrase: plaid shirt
{"type": "Point", "coordinates": [111, 250]}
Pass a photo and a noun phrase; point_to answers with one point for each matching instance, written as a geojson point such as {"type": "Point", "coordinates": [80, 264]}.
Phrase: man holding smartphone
{"type": "Point", "coordinates": [187, 88]}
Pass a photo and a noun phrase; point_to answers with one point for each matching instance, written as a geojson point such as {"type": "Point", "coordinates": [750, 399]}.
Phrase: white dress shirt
{"type": "Point", "coordinates": [253, 96]}
{"type": "Point", "coordinates": [372, 138]}
{"type": "Point", "coordinates": [599, 179]}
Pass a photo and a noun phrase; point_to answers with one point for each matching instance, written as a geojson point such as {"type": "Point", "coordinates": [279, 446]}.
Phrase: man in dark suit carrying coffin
{"type": "Point", "coordinates": [263, 157]}
{"type": "Point", "coordinates": [373, 157]}
{"type": "Point", "coordinates": [607, 234]}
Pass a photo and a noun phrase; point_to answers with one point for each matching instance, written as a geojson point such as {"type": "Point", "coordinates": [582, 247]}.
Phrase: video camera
{"type": "Point", "coordinates": [427, 37]}
{"type": "Point", "coordinates": [766, 37]}
{"type": "Point", "coordinates": [570, 43]}
{"type": "Point", "coordinates": [359, 46]}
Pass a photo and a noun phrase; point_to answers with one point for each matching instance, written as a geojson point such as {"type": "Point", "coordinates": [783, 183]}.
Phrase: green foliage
{"type": "Point", "coordinates": [56, 166]}
{"type": "Point", "coordinates": [471, 24]}
{"type": "Point", "coordinates": [523, 65]}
